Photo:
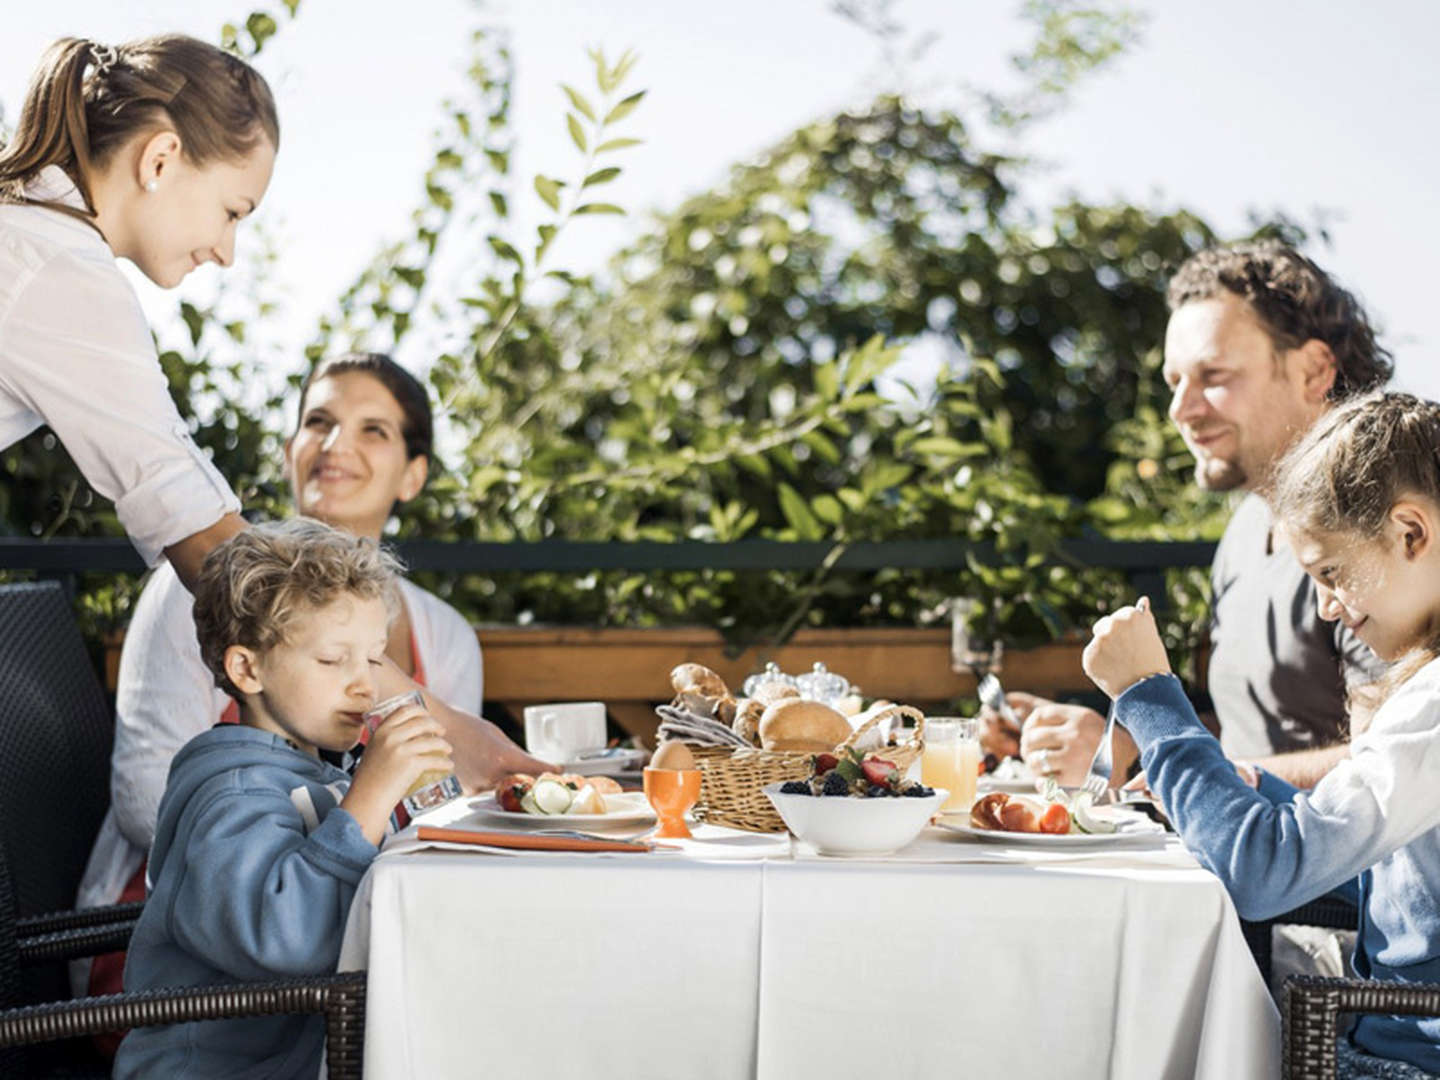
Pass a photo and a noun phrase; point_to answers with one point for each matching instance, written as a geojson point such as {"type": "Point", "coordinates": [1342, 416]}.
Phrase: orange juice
{"type": "Point", "coordinates": [951, 760]}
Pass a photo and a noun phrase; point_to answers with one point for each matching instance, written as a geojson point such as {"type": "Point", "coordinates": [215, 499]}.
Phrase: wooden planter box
{"type": "Point", "coordinates": [629, 669]}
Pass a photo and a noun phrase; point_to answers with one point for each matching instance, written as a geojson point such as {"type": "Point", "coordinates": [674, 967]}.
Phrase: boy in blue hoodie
{"type": "Point", "coordinates": [260, 844]}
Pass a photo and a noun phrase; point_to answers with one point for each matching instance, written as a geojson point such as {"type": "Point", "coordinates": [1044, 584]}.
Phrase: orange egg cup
{"type": "Point", "coordinates": [672, 792]}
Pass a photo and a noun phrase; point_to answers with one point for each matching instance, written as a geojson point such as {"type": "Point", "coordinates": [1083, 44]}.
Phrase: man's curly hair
{"type": "Point", "coordinates": [253, 586]}
{"type": "Point", "coordinates": [1295, 301]}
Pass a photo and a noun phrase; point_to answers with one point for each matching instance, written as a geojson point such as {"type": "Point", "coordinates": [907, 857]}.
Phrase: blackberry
{"type": "Point", "coordinates": [991, 763]}
{"type": "Point", "coordinates": [835, 784]}
{"type": "Point", "coordinates": [795, 787]}
{"type": "Point", "coordinates": [919, 791]}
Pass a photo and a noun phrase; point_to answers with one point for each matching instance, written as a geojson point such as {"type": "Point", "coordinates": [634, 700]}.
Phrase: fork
{"type": "Point", "coordinates": [992, 696]}
{"type": "Point", "coordinates": [1097, 780]}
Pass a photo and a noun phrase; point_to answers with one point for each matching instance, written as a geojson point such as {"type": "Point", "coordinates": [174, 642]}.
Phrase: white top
{"type": "Point", "coordinates": [76, 353]}
{"type": "Point", "coordinates": [166, 696]}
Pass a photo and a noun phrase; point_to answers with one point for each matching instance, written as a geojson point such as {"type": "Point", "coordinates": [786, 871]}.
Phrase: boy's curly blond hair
{"type": "Point", "coordinates": [253, 585]}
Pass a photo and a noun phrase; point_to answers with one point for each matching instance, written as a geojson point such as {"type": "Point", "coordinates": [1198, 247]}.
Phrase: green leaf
{"type": "Point", "coordinates": [601, 176]}
{"type": "Point", "coordinates": [603, 78]}
{"type": "Point", "coordinates": [828, 509]}
{"type": "Point", "coordinates": [194, 321]}
{"type": "Point", "coordinates": [577, 134]}
{"type": "Point", "coordinates": [262, 27]}
{"type": "Point", "coordinates": [624, 108]}
{"type": "Point", "coordinates": [599, 208]}
{"type": "Point", "coordinates": [617, 144]}
{"type": "Point", "coordinates": [941, 446]}
{"type": "Point", "coordinates": [798, 514]}
{"type": "Point", "coordinates": [622, 68]}
{"type": "Point", "coordinates": [504, 249]}
{"type": "Point", "coordinates": [498, 204]}
{"type": "Point", "coordinates": [499, 161]}
{"type": "Point", "coordinates": [578, 100]}
{"type": "Point", "coordinates": [548, 190]}
{"type": "Point", "coordinates": [291, 6]}
{"type": "Point", "coordinates": [546, 234]}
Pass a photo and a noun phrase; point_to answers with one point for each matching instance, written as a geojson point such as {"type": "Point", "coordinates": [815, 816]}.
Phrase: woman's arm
{"type": "Point", "coordinates": [187, 555]}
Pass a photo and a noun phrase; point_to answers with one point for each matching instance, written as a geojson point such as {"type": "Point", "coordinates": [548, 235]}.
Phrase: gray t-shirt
{"type": "Point", "coordinates": [1278, 671]}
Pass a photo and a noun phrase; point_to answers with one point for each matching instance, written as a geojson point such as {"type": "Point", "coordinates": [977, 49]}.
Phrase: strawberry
{"type": "Point", "coordinates": [881, 772]}
{"type": "Point", "coordinates": [824, 763]}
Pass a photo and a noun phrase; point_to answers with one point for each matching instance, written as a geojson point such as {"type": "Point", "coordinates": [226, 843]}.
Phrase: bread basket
{"type": "Point", "coordinates": [732, 780]}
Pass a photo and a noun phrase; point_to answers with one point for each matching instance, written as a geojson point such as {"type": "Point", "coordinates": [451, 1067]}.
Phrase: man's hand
{"type": "Point", "coordinates": [1059, 741]}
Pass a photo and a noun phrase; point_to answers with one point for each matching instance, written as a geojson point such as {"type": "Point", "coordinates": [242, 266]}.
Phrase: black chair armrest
{"type": "Point", "coordinates": [1329, 911]}
{"type": "Point", "coordinates": [56, 921]}
{"type": "Point", "coordinates": [1312, 1008]}
{"type": "Point", "coordinates": [81, 941]}
{"type": "Point", "coordinates": [341, 998]}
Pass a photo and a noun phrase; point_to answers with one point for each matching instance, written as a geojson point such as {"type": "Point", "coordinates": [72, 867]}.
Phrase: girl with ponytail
{"type": "Point", "coordinates": [152, 151]}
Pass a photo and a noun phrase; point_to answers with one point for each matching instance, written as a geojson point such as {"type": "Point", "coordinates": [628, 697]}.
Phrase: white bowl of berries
{"type": "Point", "coordinates": [853, 805]}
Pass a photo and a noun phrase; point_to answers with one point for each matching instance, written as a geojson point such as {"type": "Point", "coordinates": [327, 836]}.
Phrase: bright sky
{"type": "Point", "coordinates": [1225, 107]}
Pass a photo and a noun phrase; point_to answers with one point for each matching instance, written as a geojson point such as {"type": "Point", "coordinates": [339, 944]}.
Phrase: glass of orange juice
{"type": "Point", "coordinates": [951, 759]}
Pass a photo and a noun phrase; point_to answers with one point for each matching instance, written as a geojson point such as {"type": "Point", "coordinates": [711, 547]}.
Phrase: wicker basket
{"type": "Point", "coordinates": [732, 780]}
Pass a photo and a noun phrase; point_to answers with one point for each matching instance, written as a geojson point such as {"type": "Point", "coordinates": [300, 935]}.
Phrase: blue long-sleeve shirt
{"type": "Point", "coordinates": [1376, 814]}
{"type": "Point", "coordinates": [253, 870]}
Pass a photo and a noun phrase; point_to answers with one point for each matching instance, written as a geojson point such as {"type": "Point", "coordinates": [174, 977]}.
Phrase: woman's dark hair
{"type": "Point", "coordinates": [1295, 301]}
{"type": "Point", "coordinates": [418, 428]}
{"type": "Point", "coordinates": [85, 100]}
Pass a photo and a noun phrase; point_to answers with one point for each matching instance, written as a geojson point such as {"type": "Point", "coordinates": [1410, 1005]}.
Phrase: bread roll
{"type": "Point", "coordinates": [747, 720]}
{"type": "Point", "coordinates": [807, 726]}
{"type": "Point", "coordinates": [771, 692]}
{"type": "Point", "coordinates": [697, 679]}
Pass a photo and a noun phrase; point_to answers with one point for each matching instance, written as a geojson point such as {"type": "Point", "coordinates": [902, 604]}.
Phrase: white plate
{"type": "Point", "coordinates": [627, 808]}
{"type": "Point", "coordinates": [985, 785]}
{"type": "Point", "coordinates": [1115, 839]}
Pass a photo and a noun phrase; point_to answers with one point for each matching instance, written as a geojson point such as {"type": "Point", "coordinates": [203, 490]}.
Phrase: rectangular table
{"type": "Point", "coordinates": [744, 957]}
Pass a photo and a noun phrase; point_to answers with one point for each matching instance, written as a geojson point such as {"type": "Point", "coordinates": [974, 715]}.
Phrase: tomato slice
{"type": "Point", "coordinates": [1056, 819]}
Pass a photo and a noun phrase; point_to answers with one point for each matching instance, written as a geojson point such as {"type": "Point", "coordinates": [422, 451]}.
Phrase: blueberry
{"type": "Point", "coordinates": [795, 787]}
{"type": "Point", "coordinates": [835, 784]}
{"type": "Point", "coordinates": [878, 791]}
{"type": "Point", "coordinates": [919, 792]}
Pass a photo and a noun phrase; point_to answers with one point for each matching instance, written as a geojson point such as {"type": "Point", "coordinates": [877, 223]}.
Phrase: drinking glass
{"type": "Point", "coordinates": [432, 787]}
{"type": "Point", "coordinates": [951, 759]}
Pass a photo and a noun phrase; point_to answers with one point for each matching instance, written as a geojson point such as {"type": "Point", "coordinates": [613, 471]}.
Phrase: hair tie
{"type": "Point", "coordinates": [104, 57]}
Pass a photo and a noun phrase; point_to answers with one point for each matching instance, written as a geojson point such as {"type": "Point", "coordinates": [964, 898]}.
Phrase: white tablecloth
{"type": "Point", "coordinates": [954, 958]}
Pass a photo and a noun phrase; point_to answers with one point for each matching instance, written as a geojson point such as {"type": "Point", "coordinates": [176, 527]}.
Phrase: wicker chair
{"type": "Point", "coordinates": [1312, 1011]}
{"type": "Point", "coordinates": [341, 998]}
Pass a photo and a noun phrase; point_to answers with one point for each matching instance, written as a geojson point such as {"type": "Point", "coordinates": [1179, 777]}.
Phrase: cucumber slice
{"type": "Point", "coordinates": [527, 803]}
{"type": "Point", "coordinates": [1084, 819]}
{"type": "Point", "coordinates": [552, 797]}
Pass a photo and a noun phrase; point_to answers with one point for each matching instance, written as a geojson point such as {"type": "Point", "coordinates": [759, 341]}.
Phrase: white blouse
{"type": "Point", "coordinates": [76, 353]}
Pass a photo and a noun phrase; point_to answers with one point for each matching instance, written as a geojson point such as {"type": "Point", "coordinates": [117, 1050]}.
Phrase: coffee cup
{"type": "Point", "coordinates": [559, 732]}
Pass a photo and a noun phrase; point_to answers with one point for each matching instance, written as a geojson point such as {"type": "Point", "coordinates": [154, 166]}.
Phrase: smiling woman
{"type": "Point", "coordinates": [151, 151]}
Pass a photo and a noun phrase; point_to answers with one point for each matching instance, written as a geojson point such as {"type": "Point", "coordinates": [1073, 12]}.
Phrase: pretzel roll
{"type": "Point", "coordinates": [747, 720]}
{"type": "Point", "coordinates": [807, 726]}
{"type": "Point", "coordinates": [697, 679]}
{"type": "Point", "coordinates": [771, 692]}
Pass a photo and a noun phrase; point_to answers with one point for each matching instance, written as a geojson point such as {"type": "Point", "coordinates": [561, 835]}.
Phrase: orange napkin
{"type": "Point", "coordinates": [530, 841]}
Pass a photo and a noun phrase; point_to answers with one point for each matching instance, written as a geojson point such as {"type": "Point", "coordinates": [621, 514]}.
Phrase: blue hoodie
{"type": "Point", "coordinates": [1375, 814]}
{"type": "Point", "coordinates": [253, 869]}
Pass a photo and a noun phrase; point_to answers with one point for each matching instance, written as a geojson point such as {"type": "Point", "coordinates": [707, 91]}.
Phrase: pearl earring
{"type": "Point", "coordinates": [152, 186]}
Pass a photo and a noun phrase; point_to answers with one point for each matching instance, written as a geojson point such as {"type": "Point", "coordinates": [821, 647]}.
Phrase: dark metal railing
{"type": "Point", "coordinates": [1143, 562]}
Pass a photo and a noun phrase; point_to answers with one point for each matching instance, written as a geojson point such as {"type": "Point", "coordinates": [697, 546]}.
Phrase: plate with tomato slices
{"type": "Point", "coordinates": [1063, 840]}
{"type": "Point", "coordinates": [1056, 821]}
